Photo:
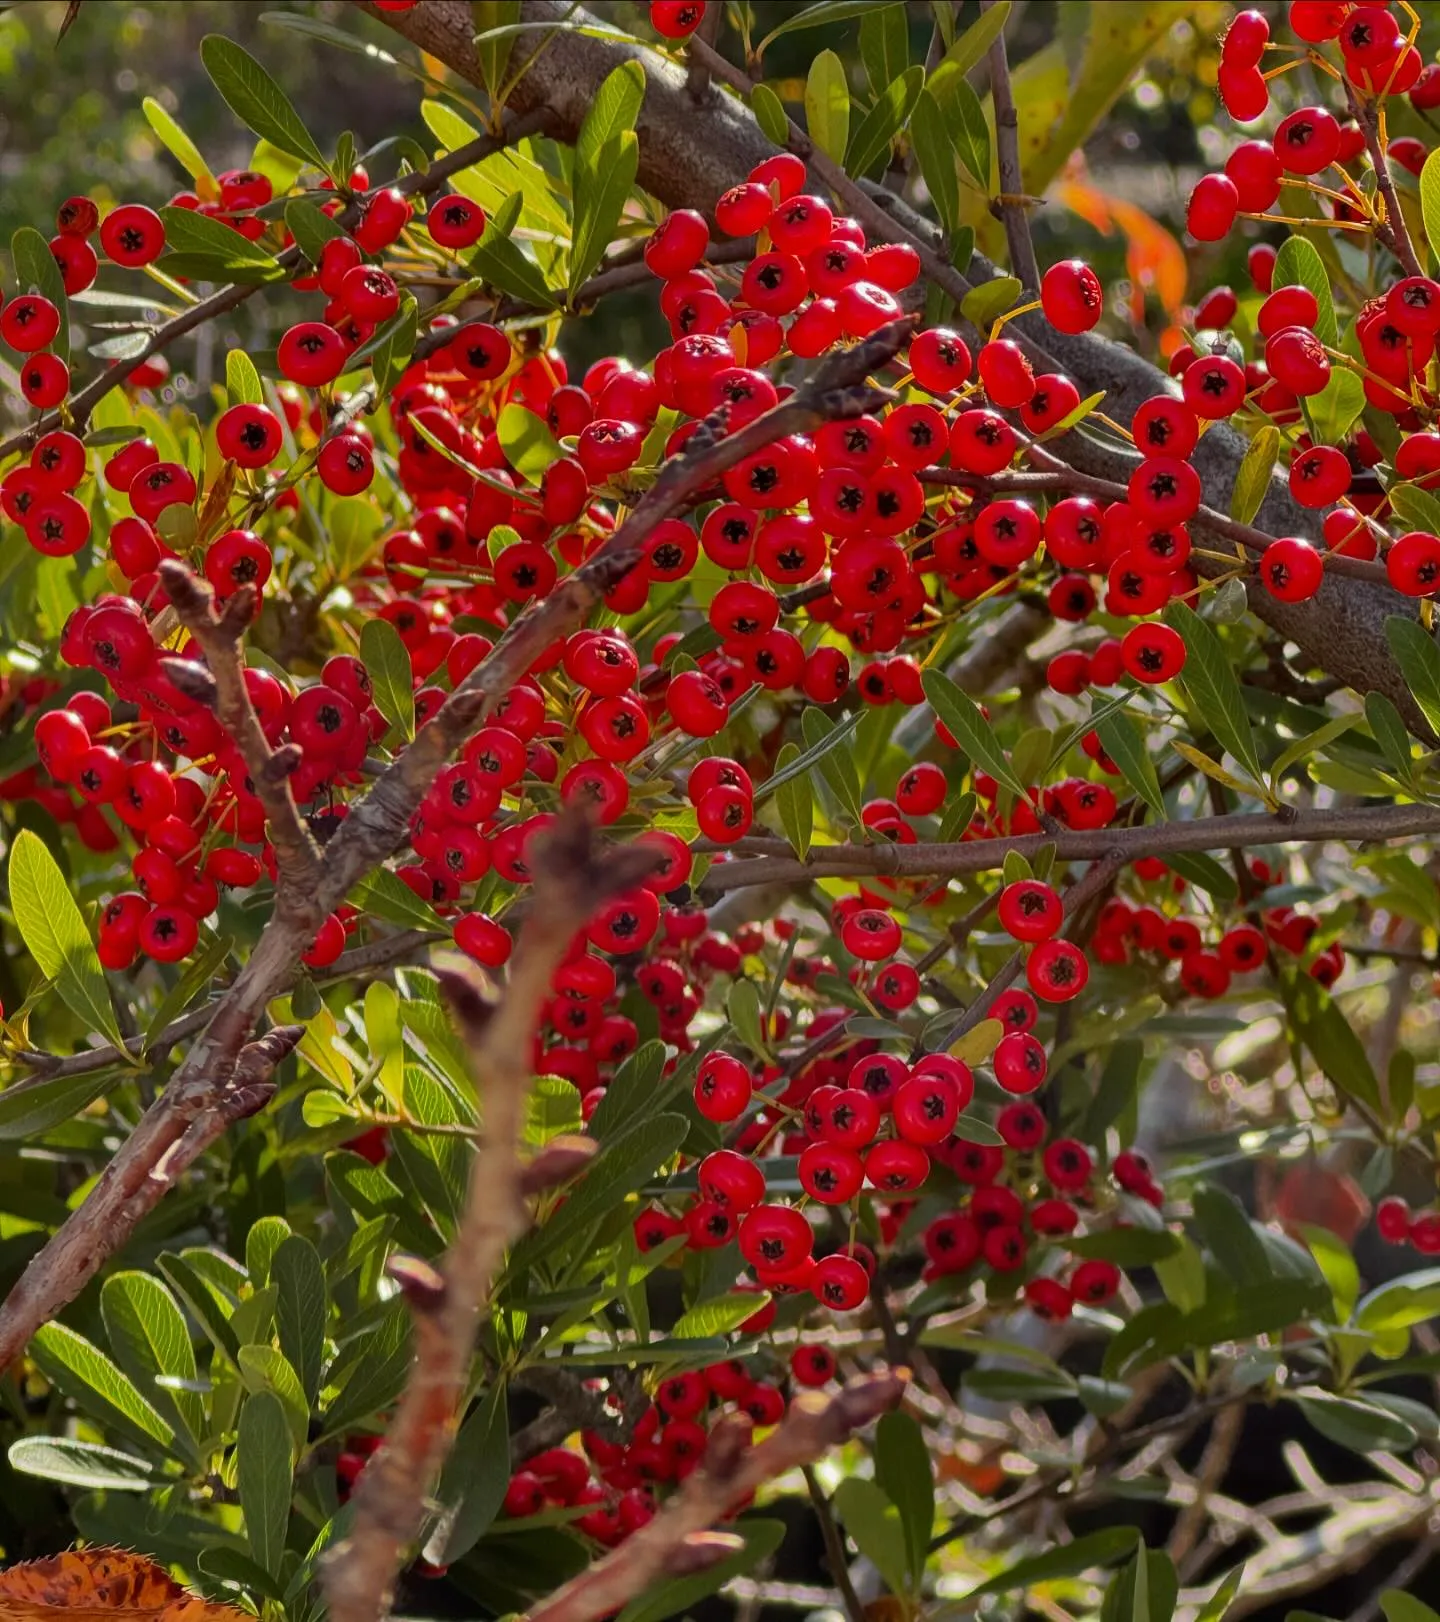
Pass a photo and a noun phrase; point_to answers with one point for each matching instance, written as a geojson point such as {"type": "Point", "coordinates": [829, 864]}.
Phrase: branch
{"type": "Point", "coordinates": [222, 689]}
{"type": "Point", "coordinates": [1011, 203]}
{"type": "Point", "coordinates": [834, 1547]}
{"type": "Point", "coordinates": [421, 184]}
{"type": "Point", "coordinates": [573, 878]}
{"type": "Point", "coordinates": [674, 1543]}
{"type": "Point", "coordinates": [1395, 229]}
{"type": "Point", "coordinates": [771, 860]}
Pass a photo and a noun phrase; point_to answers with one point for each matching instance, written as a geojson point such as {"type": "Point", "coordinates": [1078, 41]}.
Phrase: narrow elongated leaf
{"type": "Point", "coordinates": [35, 267]}
{"type": "Point", "coordinates": [1416, 507]}
{"type": "Point", "coordinates": [300, 1309]}
{"type": "Point", "coordinates": [827, 105]}
{"type": "Point", "coordinates": [1229, 1237]}
{"type": "Point", "coordinates": [873, 1524]}
{"type": "Point", "coordinates": [263, 1368]}
{"type": "Point", "coordinates": [149, 1339]}
{"type": "Point", "coordinates": [1331, 1040]}
{"type": "Point", "coordinates": [770, 113]}
{"type": "Point", "coordinates": [971, 731]}
{"type": "Point", "coordinates": [1101, 1548]}
{"type": "Point", "coordinates": [601, 193]}
{"type": "Point", "coordinates": [1298, 264]}
{"type": "Point", "coordinates": [1359, 1426]}
{"type": "Point", "coordinates": [974, 43]}
{"type": "Point", "coordinates": [55, 934]}
{"type": "Point", "coordinates": [837, 766]}
{"type": "Point", "coordinates": [256, 100]}
{"type": "Point", "coordinates": [388, 665]}
{"type": "Point", "coordinates": [1430, 200]}
{"type": "Point", "coordinates": [1399, 1606]}
{"type": "Point", "coordinates": [884, 44]}
{"type": "Point", "coordinates": [1334, 409]}
{"type": "Point", "coordinates": [904, 1471]}
{"type": "Point", "coordinates": [493, 44]}
{"type": "Point", "coordinates": [1419, 660]}
{"type": "Point", "coordinates": [80, 1464]}
{"type": "Point", "coordinates": [935, 150]}
{"type": "Point", "coordinates": [33, 1107]}
{"type": "Point", "coordinates": [799, 765]}
{"type": "Point", "coordinates": [969, 132]}
{"type": "Point", "coordinates": [990, 300]}
{"type": "Point", "coordinates": [1213, 688]}
{"type": "Point", "coordinates": [678, 1597]}
{"type": "Point", "coordinates": [1252, 479]}
{"type": "Point", "coordinates": [472, 1486]}
{"type": "Point", "coordinates": [826, 11]}
{"type": "Point", "coordinates": [242, 381]}
{"type": "Point", "coordinates": [743, 1010]}
{"type": "Point", "coordinates": [795, 801]}
{"type": "Point", "coordinates": [263, 1476]}
{"type": "Point", "coordinates": [614, 110]}
{"type": "Point", "coordinates": [190, 232]}
{"type": "Point", "coordinates": [884, 122]}
{"type": "Point", "coordinates": [178, 143]}
{"type": "Point", "coordinates": [1124, 742]}
{"type": "Point", "coordinates": [310, 228]}
{"type": "Point", "coordinates": [717, 1317]}
{"type": "Point", "coordinates": [497, 259]}
{"type": "Point", "coordinates": [1219, 1602]}
{"type": "Point", "coordinates": [94, 1383]}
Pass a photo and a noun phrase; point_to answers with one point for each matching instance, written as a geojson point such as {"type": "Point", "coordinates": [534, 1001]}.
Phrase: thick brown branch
{"type": "Point", "coordinates": [731, 1471]}
{"type": "Point", "coordinates": [219, 632]}
{"type": "Point", "coordinates": [572, 879]}
{"type": "Point", "coordinates": [772, 860]}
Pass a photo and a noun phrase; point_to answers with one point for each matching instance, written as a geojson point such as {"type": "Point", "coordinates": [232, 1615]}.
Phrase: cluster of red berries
{"type": "Point", "coordinates": [1397, 1224]}
{"type": "Point", "coordinates": [1290, 364]}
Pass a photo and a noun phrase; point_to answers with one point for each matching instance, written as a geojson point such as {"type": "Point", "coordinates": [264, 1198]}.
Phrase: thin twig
{"type": "Point", "coordinates": [1011, 203]}
{"type": "Point", "coordinates": [572, 878]}
{"type": "Point", "coordinates": [677, 1541]}
{"type": "Point", "coordinates": [1395, 228]}
{"type": "Point", "coordinates": [834, 1547]}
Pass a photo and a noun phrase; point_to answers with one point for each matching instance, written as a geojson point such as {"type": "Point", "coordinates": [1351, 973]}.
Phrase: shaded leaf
{"type": "Point", "coordinates": [970, 729]}
{"type": "Point", "coordinates": [387, 662]}
{"type": "Point", "coordinates": [904, 1471]}
{"type": "Point", "coordinates": [871, 141]}
{"type": "Point", "coordinates": [263, 1477]}
{"type": "Point", "coordinates": [1101, 1548]}
{"type": "Point", "coordinates": [1419, 660]}
{"type": "Point", "coordinates": [1252, 480]}
{"type": "Point", "coordinates": [256, 100]}
{"type": "Point", "coordinates": [1212, 687]}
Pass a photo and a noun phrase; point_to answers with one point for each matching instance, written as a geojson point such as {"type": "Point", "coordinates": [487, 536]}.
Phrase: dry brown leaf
{"type": "Point", "coordinates": [103, 1585]}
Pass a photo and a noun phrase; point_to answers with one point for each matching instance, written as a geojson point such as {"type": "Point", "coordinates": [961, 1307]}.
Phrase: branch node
{"type": "Point", "coordinates": [283, 763]}
{"type": "Point", "coordinates": [422, 1285]}
{"type": "Point", "coordinates": [190, 677]}
{"type": "Point", "coordinates": [700, 1551]}
{"type": "Point", "coordinates": [561, 1159]}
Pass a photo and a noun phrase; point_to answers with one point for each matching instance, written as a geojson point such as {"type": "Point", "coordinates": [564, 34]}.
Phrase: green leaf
{"type": "Point", "coordinates": [1337, 1264]}
{"type": "Point", "coordinates": [1430, 200]}
{"type": "Point", "coordinates": [1101, 1548]}
{"type": "Point", "coordinates": [256, 100]}
{"type": "Point", "coordinates": [1416, 507]}
{"type": "Point", "coordinates": [242, 381]}
{"type": "Point", "coordinates": [837, 766]}
{"type": "Point", "coordinates": [301, 1309]}
{"type": "Point", "coordinates": [84, 1374]}
{"type": "Point", "coordinates": [263, 1476]}
{"type": "Point", "coordinates": [614, 110]}
{"type": "Point", "coordinates": [1204, 871]}
{"type": "Point", "coordinates": [718, 1317]}
{"type": "Point", "coordinates": [827, 11]}
{"type": "Point", "coordinates": [530, 448]}
{"type": "Point", "coordinates": [311, 228]}
{"type": "Point", "coordinates": [680, 1594]}
{"type": "Point", "coordinates": [990, 300]}
{"type": "Point", "coordinates": [742, 1008]}
{"type": "Point", "coordinates": [393, 345]}
{"type": "Point", "coordinates": [971, 730]}
{"type": "Point", "coordinates": [1127, 1247]}
{"type": "Point", "coordinates": [390, 898]}
{"type": "Point", "coordinates": [551, 1110]}
{"type": "Point", "coordinates": [1404, 1301]}
{"type": "Point", "coordinates": [884, 121]}
{"type": "Point", "coordinates": [496, 258]}
{"type": "Point", "coordinates": [827, 105]}
{"type": "Point", "coordinates": [55, 935]}
{"type": "Point", "coordinates": [178, 143]}
{"type": "Point", "coordinates": [1298, 264]}
{"type": "Point", "coordinates": [935, 152]}
{"type": "Point", "coordinates": [601, 194]}
{"type": "Point", "coordinates": [1334, 410]}
{"type": "Point", "coordinates": [770, 113]}
{"type": "Point", "coordinates": [1117, 1089]}
{"type": "Point", "coordinates": [799, 765]}
{"type": "Point", "coordinates": [795, 801]}
{"type": "Point", "coordinates": [884, 44]}
{"type": "Point", "coordinates": [1124, 742]}
{"type": "Point", "coordinates": [1419, 660]}
{"type": "Point", "coordinates": [492, 45]}
{"type": "Point", "coordinates": [80, 1464]}
{"type": "Point", "coordinates": [974, 43]}
{"type": "Point", "coordinates": [1143, 1591]}
{"type": "Point", "coordinates": [263, 1368]}
{"type": "Point", "coordinates": [1219, 1602]}
{"type": "Point", "coordinates": [969, 132]}
{"type": "Point", "coordinates": [209, 1305]}
{"type": "Point", "coordinates": [1223, 1226]}
{"type": "Point", "coordinates": [473, 1482]}
{"type": "Point", "coordinates": [904, 1471]}
{"type": "Point", "coordinates": [33, 1107]}
{"type": "Point", "coordinates": [370, 1372]}
{"type": "Point", "coordinates": [189, 232]}
{"type": "Point", "coordinates": [873, 1524]}
{"type": "Point", "coordinates": [1212, 687]}
{"type": "Point", "coordinates": [149, 1339]}
{"type": "Point", "coordinates": [636, 1088]}
{"type": "Point", "coordinates": [35, 267]}
{"type": "Point", "coordinates": [387, 662]}
{"type": "Point", "coordinates": [1356, 1425]}
{"type": "Point", "coordinates": [1399, 1606]}
{"type": "Point", "coordinates": [1252, 479]}
{"type": "Point", "coordinates": [1332, 1042]}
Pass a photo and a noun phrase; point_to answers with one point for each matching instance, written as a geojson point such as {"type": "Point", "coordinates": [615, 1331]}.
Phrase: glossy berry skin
{"type": "Point", "coordinates": [249, 435]}
{"type": "Point", "coordinates": [1030, 911]}
{"type": "Point", "coordinates": [132, 235]}
{"type": "Point", "coordinates": [676, 19]}
{"type": "Point", "coordinates": [1071, 296]}
{"type": "Point", "coordinates": [455, 221]}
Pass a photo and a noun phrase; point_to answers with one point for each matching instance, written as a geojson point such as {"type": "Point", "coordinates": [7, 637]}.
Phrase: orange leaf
{"type": "Point", "coordinates": [103, 1585]}
{"type": "Point", "coordinates": [1153, 258]}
